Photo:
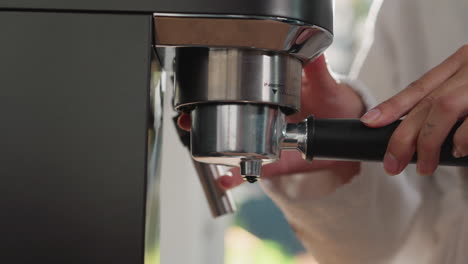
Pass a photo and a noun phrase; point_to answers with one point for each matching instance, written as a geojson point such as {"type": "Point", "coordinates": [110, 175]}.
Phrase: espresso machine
{"type": "Point", "coordinates": [81, 91]}
{"type": "Point", "coordinates": [81, 88]}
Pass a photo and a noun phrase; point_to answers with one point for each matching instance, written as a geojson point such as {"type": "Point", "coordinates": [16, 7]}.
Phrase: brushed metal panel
{"type": "Point", "coordinates": [73, 118]}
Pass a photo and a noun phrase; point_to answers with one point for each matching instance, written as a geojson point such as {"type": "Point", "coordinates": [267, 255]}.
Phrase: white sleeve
{"type": "Point", "coordinates": [374, 73]}
{"type": "Point", "coordinates": [367, 220]}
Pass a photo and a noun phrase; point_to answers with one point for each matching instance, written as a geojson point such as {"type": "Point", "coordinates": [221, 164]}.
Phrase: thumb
{"type": "Point", "coordinates": [232, 179]}
{"type": "Point", "coordinates": [319, 90]}
{"type": "Point", "coordinates": [317, 71]}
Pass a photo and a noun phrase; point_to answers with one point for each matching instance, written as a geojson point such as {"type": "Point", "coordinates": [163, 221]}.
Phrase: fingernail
{"type": "Point", "coordinates": [391, 164]}
{"type": "Point", "coordinates": [225, 181]}
{"type": "Point", "coordinates": [457, 153]}
{"type": "Point", "coordinates": [371, 116]}
{"type": "Point", "coordinates": [424, 168]}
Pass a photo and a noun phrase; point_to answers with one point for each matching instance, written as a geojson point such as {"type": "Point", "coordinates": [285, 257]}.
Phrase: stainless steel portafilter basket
{"type": "Point", "coordinates": [244, 135]}
{"type": "Point", "coordinates": [238, 99]}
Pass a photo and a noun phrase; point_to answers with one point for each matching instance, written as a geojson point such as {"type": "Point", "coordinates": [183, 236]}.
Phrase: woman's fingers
{"type": "Point", "coordinates": [185, 122]}
{"type": "Point", "coordinates": [460, 141]}
{"type": "Point", "coordinates": [402, 144]}
{"type": "Point", "coordinates": [317, 71]}
{"type": "Point", "coordinates": [231, 179]}
{"type": "Point", "coordinates": [425, 129]}
{"type": "Point", "coordinates": [400, 104]}
{"type": "Point", "coordinates": [449, 103]}
{"type": "Point", "coordinates": [434, 103]}
{"type": "Point", "coordinates": [440, 120]}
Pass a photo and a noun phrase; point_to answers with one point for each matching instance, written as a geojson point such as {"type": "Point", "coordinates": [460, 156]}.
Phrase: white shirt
{"type": "Point", "coordinates": [376, 218]}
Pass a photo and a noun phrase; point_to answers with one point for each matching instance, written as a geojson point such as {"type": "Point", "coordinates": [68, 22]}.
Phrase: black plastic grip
{"type": "Point", "coordinates": [350, 139]}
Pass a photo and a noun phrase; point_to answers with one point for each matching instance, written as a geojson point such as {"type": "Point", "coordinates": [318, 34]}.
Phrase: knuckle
{"type": "Point", "coordinates": [392, 107]}
{"type": "Point", "coordinates": [427, 145]}
{"type": "Point", "coordinates": [402, 143]}
{"type": "Point", "coordinates": [418, 87]}
{"type": "Point", "coordinates": [428, 100]}
{"type": "Point", "coordinates": [403, 138]}
{"type": "Point", "coordinates": [446, 104]}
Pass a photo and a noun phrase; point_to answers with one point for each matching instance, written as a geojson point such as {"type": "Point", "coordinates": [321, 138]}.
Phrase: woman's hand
{"type": "Point", "coordinates": [433, 104]}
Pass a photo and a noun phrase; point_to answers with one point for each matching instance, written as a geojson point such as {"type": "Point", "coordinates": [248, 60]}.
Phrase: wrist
{"type": "Point", "coordinates": [367, 101]}
{"type": "Point", "coordinates": [358, 106]}
{"type": "Point", "coordinates": [346, 102]}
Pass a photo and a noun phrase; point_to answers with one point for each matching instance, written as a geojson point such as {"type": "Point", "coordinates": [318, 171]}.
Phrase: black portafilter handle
{"type": "Point", "coordinates": [350, 139]}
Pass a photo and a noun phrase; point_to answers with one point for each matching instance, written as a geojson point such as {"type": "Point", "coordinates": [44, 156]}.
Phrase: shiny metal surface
{"type": "Point", "coordinates": [236, 76]}
{"type": "Point", "coordinates": [251, 169]}
{"type": "Point", "coordinates": [295, 137]}
{"type": "Point", "coordinates": [219, 200]}
{"type": "Point", "coordinates": [227, 134]}
{"type": "Point", "coordinates": [153, 162]}
{"type": "Point", "coordinates": [244, 135]}
{"type": "Point", "coordinates": [302, 40]}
